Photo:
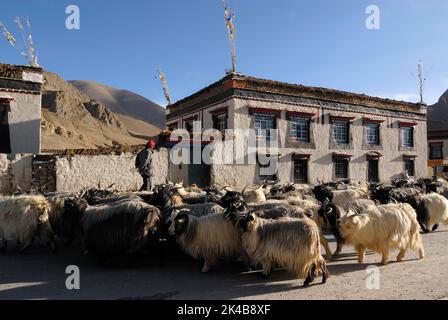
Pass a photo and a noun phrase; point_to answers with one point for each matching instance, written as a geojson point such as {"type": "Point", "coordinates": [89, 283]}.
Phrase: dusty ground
{"type": "Point", "coordinates": [41, 275]}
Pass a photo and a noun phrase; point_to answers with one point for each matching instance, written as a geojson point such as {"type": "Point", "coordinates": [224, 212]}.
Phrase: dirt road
{"type": "Point", "coordinates": [41, 275]}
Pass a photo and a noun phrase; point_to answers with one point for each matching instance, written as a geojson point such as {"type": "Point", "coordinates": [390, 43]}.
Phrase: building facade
{"type": "Point", "coordinates": [20, 109]}
{"type": "Point", "coordinates": [323, 134]}
{"type": "Point", "coordinates": [438, 151]}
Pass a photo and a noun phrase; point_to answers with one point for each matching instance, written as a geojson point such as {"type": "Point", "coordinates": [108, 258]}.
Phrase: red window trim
{"type": "Point", "coordinates": [191, 119]}
{"type": "Point", "coordinates": [300, 156]}
{"type": "Point", "coordinates": [407, 124]}
{"type": "Point", "coordinates": [374, 156]}
{"type": "Point", "coordinates": [300, 114]}
{"type": "Point", "coordinates": [342, 156]}
{"type": "Point", "coordinates": [219, 111]}
{"type": "Point", "coordinates": [274, 112]}
{"type": "Point", "coordinates": [372, 121]}
{"type": "Point", "coordinates": [341, 118]}
{"type": "Point", "coordinates": [6, 100]}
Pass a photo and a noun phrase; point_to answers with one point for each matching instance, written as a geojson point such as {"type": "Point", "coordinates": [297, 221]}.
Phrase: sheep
{"type": "Point", "coordinates": [24, 219]}
{"type": "Point", "coordinates": [207, 238]}
{"type": "Point", "coordinates": [432, 209]}
{"type": "Point", "coordinates": [390, 226]}
{"type": "Point", "coordinates": [113, 230]}
{"type": "Point", "coordinates": [289, 243]}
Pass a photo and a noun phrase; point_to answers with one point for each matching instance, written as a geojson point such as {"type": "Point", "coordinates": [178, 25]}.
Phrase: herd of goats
{"type": "Point", "coordinates": [275, 225]}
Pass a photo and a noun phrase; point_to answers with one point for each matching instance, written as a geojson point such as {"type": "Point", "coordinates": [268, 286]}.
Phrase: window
{"type": "Point", "coordinates": [301, 171]}
{"type": "Point", "coordinates": [300, 129]}
{"type": "Point", "coordinates": [373, 172]}
{"type": "Point", "coordinates": [436, 150]}
{"type": "Point", "coordinates": [268, 171]}
{"type": "Point", "coordinates": [373, 133]}
{"type": "Point", "coordinates": [407, 137]}
{"type": "Point", "coordinates": [341, 168]}
{"type": "Point", "coordinates": [189, 126]}
{"type": "Point", "coordinates": [264, 123]}
{"type": "Point", "coordinates": [340, 131]}
{"type": "Point", "coordinates": [409, 167]}
{"type": "Point", "coordinates": [173, 126]}
{"type": "Point", "coordinates": [220, 122]}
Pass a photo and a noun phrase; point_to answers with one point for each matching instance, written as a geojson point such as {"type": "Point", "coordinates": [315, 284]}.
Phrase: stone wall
{"type": "Point", "coordinates": [15, 173]}
{"type": "Point", "coordinates": [76, 172]}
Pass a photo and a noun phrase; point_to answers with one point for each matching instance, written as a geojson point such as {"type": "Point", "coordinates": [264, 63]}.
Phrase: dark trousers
{"type": "Point", "coordinates": [147, 184]}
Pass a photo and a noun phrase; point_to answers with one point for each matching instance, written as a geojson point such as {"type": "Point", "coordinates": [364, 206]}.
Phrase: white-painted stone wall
{"type": "Point", "coordinates": [15, 172]}
{"type": "Point", "coordinates": [24, 121]}
{"type": "Point", "coordinates": [84, 172]}
{"type": "Point", "coordinates": [321, 163]}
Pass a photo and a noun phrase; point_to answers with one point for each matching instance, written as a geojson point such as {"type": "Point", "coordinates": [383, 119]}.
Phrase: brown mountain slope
{"type": "Point", "coordinates": [72, 120]}
{"type": "Point", "coordinates": [124, 102]}
{"type": "Point", "coordinates": [438, 114]}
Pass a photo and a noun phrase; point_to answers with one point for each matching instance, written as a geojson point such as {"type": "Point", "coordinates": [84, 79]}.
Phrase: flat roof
{"type": "Point", "coordinates": [238, 81]}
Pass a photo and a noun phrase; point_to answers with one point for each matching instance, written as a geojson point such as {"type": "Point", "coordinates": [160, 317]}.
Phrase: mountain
{"type": "Point", "coordinates": [124, 102]}
{"type": "Point", "coordinates": [73, 120]}
{"type": "Point", "coordinates": [438, 114]}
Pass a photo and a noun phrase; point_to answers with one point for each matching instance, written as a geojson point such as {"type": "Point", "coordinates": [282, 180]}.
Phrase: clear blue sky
{"type": "Point", "coordinates": [320, 43]}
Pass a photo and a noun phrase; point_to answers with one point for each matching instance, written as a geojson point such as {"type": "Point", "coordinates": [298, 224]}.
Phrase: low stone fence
{"type": "Point", "coordinates": [75, 170]}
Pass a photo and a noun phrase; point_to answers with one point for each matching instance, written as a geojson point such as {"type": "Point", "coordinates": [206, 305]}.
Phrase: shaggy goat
{"type": "Point", "coordinates": [290, 243]}
{"type": "Point", "coordinates": [329, 216]}
{"type": "Point", "coordinates": [390, 226]}
{"type": "Point", "coordinates": [114, 230]}
{"type": "Point", "coordinates": [207, 238]}
{"type": "Point", "coordinates": [24, 219]}
{"type": "Point", "coordinates": [432, 209]}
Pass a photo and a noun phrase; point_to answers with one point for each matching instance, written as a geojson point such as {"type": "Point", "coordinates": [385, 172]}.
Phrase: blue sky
{"type": "Point", "coordinates": [319, 43]}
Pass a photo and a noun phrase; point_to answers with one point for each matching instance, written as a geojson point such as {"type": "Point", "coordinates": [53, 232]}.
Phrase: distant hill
{"type": "Point", "coordinates": [124, 102]}
{"type": "Point", "coordinates": [73, 120]}
{"type": "Point", "coordinates": [438, 114]}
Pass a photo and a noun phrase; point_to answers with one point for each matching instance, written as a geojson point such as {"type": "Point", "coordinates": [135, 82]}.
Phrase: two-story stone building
{"type": "Point", "coordinates": [324, 134]}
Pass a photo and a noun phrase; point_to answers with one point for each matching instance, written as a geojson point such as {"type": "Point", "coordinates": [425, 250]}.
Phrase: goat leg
{"type": "Point", "coordinates": [27, 246]}
{"type": "Point", "coordinates": [4, 246]}
{"type": "Point", "coordinates": [311, 275]}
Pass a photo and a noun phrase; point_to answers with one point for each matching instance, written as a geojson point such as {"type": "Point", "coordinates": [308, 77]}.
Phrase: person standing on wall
{"type": "Point", "coordinates": [144, 164]}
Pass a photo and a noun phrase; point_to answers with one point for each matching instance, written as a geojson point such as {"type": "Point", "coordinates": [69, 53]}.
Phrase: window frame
{"type": "Point", "coordinates": [267, 135]}
{"type": "Point", "coordinates": [411, 141]}
{"type": "Point", "coordinates": [431, 148]}
{"type": "Point", "coordinates": [406, 168]}
{"type": "Point", "coordinates": [272, 177]}
{"type": "Point", "coordinates": [377, 173]}
{"type": "Point", "coordinates": [306, 178]}
{"type": "Point", "coordinates": [335, 124]}
{"type": "Point", "coordinates": [294, 120]}
{"type": "Point", "coordinates": [368, 126]}
{"type": "Point", "coordinates": [220, 117]}
{"type": "Point", "coordinates": [337, 161]}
